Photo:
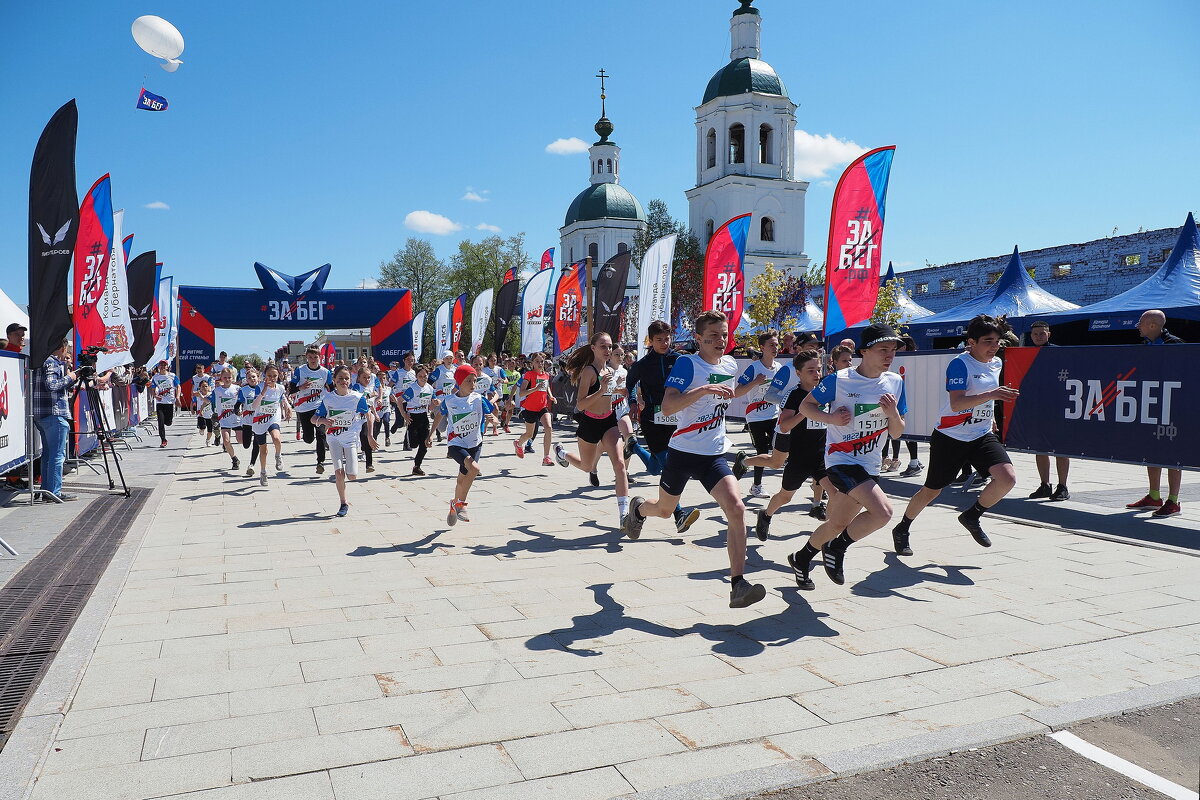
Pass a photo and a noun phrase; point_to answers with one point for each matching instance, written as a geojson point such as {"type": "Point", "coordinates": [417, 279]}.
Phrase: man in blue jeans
{"type": "Point", "coordinates": [52, 384]}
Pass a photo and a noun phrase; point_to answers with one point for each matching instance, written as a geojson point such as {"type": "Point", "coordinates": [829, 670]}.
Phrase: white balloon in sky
{"type": "Point", "coordinates": [159, 38]}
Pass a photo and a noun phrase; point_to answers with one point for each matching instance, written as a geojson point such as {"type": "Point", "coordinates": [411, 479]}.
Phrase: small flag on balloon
{"type": "Point", "coordinates": [148, 101]}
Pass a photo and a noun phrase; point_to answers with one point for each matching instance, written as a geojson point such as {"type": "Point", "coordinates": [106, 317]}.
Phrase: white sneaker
{"type": "Point", "coordinates": [262, 478]}
{"type": "Point", "coordinates": [757, 491]}
{"type": "Point", "coordinates": [279, 463]}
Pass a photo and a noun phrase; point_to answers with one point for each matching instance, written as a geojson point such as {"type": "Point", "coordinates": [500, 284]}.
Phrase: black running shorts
{"type": "Point", "coordinates": [947, 456]}
{"type": "Point", "coordinates": [682, 467]}
{"type": "Point", "coordinates": [591, 429]}
{"type": "Point", "coordinates": [460, 454]}
{"type": "Point", "coordinates": [847, 477]}
{"type": "Point", "coordinates": [800, 467]}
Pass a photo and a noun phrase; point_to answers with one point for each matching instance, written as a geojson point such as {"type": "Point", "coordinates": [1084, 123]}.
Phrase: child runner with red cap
{"type": "Point", "coordinates": [464, 412]}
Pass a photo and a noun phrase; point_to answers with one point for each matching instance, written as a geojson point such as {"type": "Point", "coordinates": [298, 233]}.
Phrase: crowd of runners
{"type": "Point", "coordinates": [825, 419]}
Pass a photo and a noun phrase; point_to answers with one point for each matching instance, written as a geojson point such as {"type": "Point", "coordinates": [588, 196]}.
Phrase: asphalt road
{"type": "Point", "coordinates": [1163, 740]}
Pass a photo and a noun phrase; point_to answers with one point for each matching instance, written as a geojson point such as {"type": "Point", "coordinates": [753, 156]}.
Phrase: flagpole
{"type": "Point", "coordinates": [587, 294]}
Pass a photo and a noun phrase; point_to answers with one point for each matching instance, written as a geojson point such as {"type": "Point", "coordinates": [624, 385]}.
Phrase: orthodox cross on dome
{"type": "Point", "coordinates": [604, 126]}
{"type": "Point", "coordinates": [602, 75]}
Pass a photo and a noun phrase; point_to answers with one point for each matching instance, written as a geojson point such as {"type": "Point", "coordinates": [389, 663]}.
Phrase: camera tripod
{"type": "Point", "coordinates": [99, 424]}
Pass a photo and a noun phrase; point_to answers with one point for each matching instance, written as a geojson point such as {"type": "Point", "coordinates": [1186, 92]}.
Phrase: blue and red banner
{"type": "Point", "coordinates": [509, 274]}
{"type": "Point", "coordinates": [93, 249]}
{"type": "Point", "coordinates": [329, 354]}
{"type": "Point", "coordinates": [568, 307]}
{"type": "Point", "coordinates": [458, 315]}
{"type": "Point", "coordinates": [148, 101]}
{"type": "Point", "coordinates": [127, 244]}
{"type": "Point", "coordinates": [855, 246]}
{"type": "Point", "coordinates": [547, 260]}
{"type": "Point", "coordinates": [724, 272]}
{"type": "Point", "coordinates": [1128, 403]}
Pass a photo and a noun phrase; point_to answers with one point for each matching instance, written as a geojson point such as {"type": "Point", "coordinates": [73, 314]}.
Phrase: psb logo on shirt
{"type": "Point", "coordinates": [959, 382]}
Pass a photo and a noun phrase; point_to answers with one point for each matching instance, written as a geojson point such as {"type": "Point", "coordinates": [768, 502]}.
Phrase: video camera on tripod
{"type": "Point", "coordinates": [86, 370]}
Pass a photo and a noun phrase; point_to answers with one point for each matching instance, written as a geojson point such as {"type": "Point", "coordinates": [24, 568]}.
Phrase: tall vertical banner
{"type": "Point", "coordinates": [93, 251]}
{"type": "Point", "coordinates": [481, 312]}
{"type": "Point", "coordinates": [855, 248]}
{"type": "Point", "coordinates": [162, 322]}
{"type": "Point", "coordinates": [53, 227]}
{"type": "Point", "coordinates": [418, 336]}
{"type": "Point", "coordinates": [329, 354]}
{"type": "Point", "coordinates": [533, 312]}
{"type": "Point", "coordinates": [142, 277]}
{"type": "Point", "coordinates": [610, 295]}
{"type": "Point", "coordinates": [458, 316]}
{"type": "Point", "coordinates": [506, 306]}
{"type": "Point", "coordinates": [114, 306]}
{"type": "Point", "coordinates": [568, 307]}
{"type": "Point", "coordinates": [724, 272]}
{"type": "Point", "coordinates": [127, 248]}
{"type": "Point", "coordinates": [441, 329]}
{"type": "Point", "coordinates": [509, 274]}
{"type": "Point", "coordinates": [654, 287]}
{"type": "Point", "coordinates": [173, 331]}
{"type": "Point", "coordinates": [547, 261]}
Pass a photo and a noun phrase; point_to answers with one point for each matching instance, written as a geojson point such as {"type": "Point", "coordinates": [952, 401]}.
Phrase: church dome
{"type": "Point", "coordinates": [604, 200]}
{"type": "Point", "coordinates": [743, 75]}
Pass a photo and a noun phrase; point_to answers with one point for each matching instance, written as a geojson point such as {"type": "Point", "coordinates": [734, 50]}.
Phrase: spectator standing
{"type": "Point", "coordinates": [787, 344]}
{"type": "Point", "coordinates": [52, 385]}
{"type": "Point", "coordinates": [1039, 336]}
{"type": "Point", "coordinates": [1153, 328]}
{"type": "Point", "coordinates": [16, 337]}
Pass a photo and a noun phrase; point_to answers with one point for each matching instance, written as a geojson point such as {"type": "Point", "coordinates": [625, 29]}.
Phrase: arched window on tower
{"type": "Point", "coordinates": [594, 252]}
{"type": "Point", "coordinates": [737, 143]}
{"type": "Point", "coordinates": [711, 148]}
{"type": "Point", "coordinates": [765, 144]}
{"type": "Point", "coordinates": [622, 247]}
{"type": "Point", "coordinates": [708, 232]}
{"type": "Point", "coordinates": [610, 166]}
{"type": "Point", "coordinates": [766, 230]}
{"type": "Point", "coordinates": [593, 169]}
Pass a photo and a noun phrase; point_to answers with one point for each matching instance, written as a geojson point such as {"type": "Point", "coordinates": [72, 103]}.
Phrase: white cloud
{"type": "Point", "coordinates": [429, 222]}
{"type": "Point", "coordinates": [566, 147]}
{"type": "Point", "coordinates": [816, 155]}
{"type": "Point", "coordinates": [483, 226]}
{"type": "Point", "coordinates": [158, 205]}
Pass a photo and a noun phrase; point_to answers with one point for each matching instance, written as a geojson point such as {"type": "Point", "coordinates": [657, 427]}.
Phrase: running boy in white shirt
{"type": "Point", "coordinates": [343, 413]}
{"type": "Point", "coordinates": [464, 412]}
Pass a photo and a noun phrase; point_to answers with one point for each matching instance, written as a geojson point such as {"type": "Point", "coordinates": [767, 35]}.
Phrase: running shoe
{"type": "Point", "coordinates": [418, 471]}
{"type": "Point", "coordinates": [387, 442]}
{"type": "Point", "coordinates": [164, 443]}
{"type": "Point", "coordinates": [800, 572]}
{"type": "Point", "coordinates": [833, 561]}
{"type": "Point", "coordinates": [913, 468]}
{"type": "Point", "coordinates": [762, 526]}
{"type": "Point", "coordinates": [1146, 502]}
{"type": "Point", "coordinates": [517, 447]}
{"type": "Point", "coordinates": [250, 472]}
{"type": "Point", "coordinates": [889, 465]}
{"type": "Point", "coordinates": [343, 510]}
{"type": "Point", "coordinates": [757, 491]}
{"type": "Point", "coordinates": [975, 529]}
{"type": "Point", "coordinates": [546, 462]}
{"type": "Point", "coordinates": [560, 455]}
{"type": "Point", "coordinates": [279, 463]}
{"type": "Point", "coordinates": [1043, 490]}
{"type": "Point", "coordinates": [818, 511]}
{"type": "Point", "coordinates": [900, 541]}
{"type": "Point", "coordinates": [593, 478]}
{"type": "Point", "coordinates": [685, 519]}
{"type": "Point", "coordinates": [529, 446]}
{"type": "Point", "coordinates": [739, 464]}
{"type": "Point", "coordinates": [460, 511]}
{"type": "Point", "coordinates": [370, 468]}
{"type": "Point", "coordinates": [439, 435]}
{"type": "Point", "coordinates": [1169, 509]}
{"type": "Point", "coordinates": [320, 469]}
{"type": "Point", "coordinates": [452, 517]}
{"type": "Point", "coordinates": [1060, 494]}
{"type": "Point", "coordinates": [262, 478]}
{"type": "Point", "coordinates": [236, 464]}
{"type": "Point", "coordinates": [631, 526]}
{"type": "Point", "coordinates": [964, 478]}
{"type": "Point", "coordinates": [630, 443]}
{"type": "Point", "coordinates": [746, 594]}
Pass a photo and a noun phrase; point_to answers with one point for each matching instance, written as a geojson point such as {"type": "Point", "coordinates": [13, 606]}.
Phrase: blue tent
{"type": "Point", "coordinates": [1015, 295]}
{"type": "Point", "coordinates": [810, 319]}
{"type": "Point", "coordinates": [1174, 289]}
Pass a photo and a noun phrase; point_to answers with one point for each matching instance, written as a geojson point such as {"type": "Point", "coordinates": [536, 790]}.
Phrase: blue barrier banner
{"type": "Point", "coordinates": [1126, 403]}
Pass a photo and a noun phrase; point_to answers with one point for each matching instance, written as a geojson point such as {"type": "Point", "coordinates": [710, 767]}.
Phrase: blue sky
{"type": "Point", "coordinates": [301, 133]}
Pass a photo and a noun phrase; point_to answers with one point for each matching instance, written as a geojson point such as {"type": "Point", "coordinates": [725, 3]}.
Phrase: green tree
{"type": "Point", "coordinates": [687, 268]}
{"type": "Point", "coordinates": [887, 307]}
{"type": "Point", "coordinates": [417, 268]}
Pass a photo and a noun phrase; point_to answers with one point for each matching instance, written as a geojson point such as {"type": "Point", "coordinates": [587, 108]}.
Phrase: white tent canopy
{"type": "Point", "coordinates": [10, 312]}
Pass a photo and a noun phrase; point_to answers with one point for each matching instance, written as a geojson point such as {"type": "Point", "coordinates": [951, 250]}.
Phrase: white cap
{"type": "Point", "coordinates": [448, 354]}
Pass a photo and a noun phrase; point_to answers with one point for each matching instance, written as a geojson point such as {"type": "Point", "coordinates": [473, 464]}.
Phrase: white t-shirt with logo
{"type": "Point", "coordinates": [964, 373]}
{"type": "Point", "coordinates": [758, 408]}
{"type": "Point", "coordinates": [164, 384]}
{"type": "Point", "coordinates": [860, 441]}
{"type": "Point", "coordinates": [465, 419]}
{"type": "Point", "coordinates": [311, 385]}
{"type": "Point", "coordinates": [246, 396]}
{"type": "Point", "coordinates": [270, 409]}
{"type": "Point", "coordinates": [346, 414]}
{"type": "Point", "coordinates": [701, 426]}
{"type": "Point", "coordinates": [417, 398]}
{"type": "Point", "coordinates": [403, 378]}
{"type": "Point", "coordinates": [223, 404]}
{"type": "Point", "coordinates": [442, 379]}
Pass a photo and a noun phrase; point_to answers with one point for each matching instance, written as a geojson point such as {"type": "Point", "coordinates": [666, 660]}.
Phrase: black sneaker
{"type": "Point", "coordinates": [746, 594]}
{"type": "Point", "coordinates": [1060, 494]}
{"type": "Point", "coordinates": [593, 479]}
{"type": "Point", "coordinates": [833, 560]}
{"type": "Point", "coordinates": [343, 510]}
{"type": "Point", "coordinates": [800, 571]}
{"type": "Point", "coordinates": [964, 478]}
{"type": "Point", "coordinates": [1043, 490]}
{"type": "Point", "coordinates": [236, 464]}
{"type": "Point", "coordinates": [685, 519]}
{"type": "Point", "coordinates": [818, 511]}
{"type": "Point", "coordinates": [739, 465]}
{"type": "Point", "coordinates": [631, 526]}
{"type": "Point", "coordinates": [972, 525]}
{"type": "Point", "coordinates": [630, 443]}
{"type": "Point", "coordinates": [900, 540]}
{"type": "Point", "coordinates": [762, 526]}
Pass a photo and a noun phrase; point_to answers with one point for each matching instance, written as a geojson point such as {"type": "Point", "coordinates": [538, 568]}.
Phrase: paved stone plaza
{"type": "Point", "coordinates": [246, 644]}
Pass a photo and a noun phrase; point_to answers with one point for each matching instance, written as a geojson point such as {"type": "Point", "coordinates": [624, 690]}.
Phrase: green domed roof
{"type": "Point", "coordinates": [744, 75]}
{"type": "Point", "coordinates": [602, 200]}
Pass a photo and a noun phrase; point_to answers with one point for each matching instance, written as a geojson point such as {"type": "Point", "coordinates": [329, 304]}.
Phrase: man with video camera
{"type": "Point", "coordinates": [52, 385]}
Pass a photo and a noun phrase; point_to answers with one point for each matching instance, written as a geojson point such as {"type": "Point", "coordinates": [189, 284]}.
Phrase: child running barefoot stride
{"type": "Point", "coordinates": [343, 413]}
{"type": "Point", "coordinates": [464, 412]}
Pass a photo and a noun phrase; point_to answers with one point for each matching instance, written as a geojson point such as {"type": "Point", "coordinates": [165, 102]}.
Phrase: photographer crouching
{"type": "Point", "coordinates": [52, 385]}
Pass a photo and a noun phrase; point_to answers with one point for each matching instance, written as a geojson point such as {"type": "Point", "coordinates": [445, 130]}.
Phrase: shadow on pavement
{"type": "Point", "coordinates": [898, 574]}
{"type": "Point", "coordinates": [421, 547]}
